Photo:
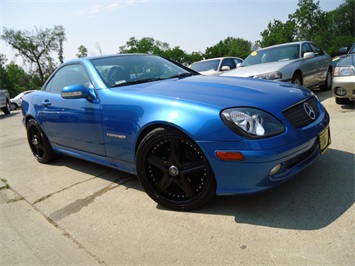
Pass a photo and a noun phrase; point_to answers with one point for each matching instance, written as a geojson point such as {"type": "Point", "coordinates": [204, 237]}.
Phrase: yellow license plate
{"type": "Point", "coordinates": [324, 140]}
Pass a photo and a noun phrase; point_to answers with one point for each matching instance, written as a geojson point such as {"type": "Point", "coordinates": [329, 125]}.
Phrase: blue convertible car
{"type": "Point", "coordinates": [187, 137]}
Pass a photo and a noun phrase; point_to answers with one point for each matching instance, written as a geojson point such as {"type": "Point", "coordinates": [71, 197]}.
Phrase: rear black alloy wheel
{"type": "Point", "coordinates": [39, 143]}
{"type": "Point", "coordinates": [174, 171]}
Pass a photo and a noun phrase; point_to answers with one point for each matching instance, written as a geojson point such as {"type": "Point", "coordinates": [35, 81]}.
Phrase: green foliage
{"type": "Point", "coordinates": [278, 32]}
{"type": "Point", "coordinates": [15, 79]}
{"type": "Point", "coordinates": [308, 18]}
{"type": "Point", "coordinates": [339, 30]}
{"type": "Point", "coordinates": [36, 47]}
{"type": "Point", "coordinates": [82, 51]}
{"type": "Point", "coordinates": [331, 30]}
{"type": "Point", "coordinates": [229, 47]}
{"type": "Point", "coordinates": [149, 45]}
{"type": "Point", "coordinates": [146, 45]}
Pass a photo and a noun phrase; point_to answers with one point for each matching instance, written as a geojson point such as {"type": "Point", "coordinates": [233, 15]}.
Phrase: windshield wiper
{"type": "Point", "coordinates": [135, 82]}
{"type": "Point", "coordinates": [182, 75]}
{"type": "Point", "coordinates": [139, 81]}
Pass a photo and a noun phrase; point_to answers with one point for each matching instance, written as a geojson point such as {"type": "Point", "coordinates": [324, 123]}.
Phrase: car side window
{"type": "Point", "coordinates": [237, 61]}
{"type": "Point", "coordinates": [316, 49]}
{"type": "Point", "coordinates": [66, 76]}
{"type": "Point", "coordinates": [228, 62]}
{"type": "Point", "coordinates": [306, 48]}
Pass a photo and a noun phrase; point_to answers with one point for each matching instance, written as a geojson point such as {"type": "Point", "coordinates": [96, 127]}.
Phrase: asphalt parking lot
{"type": "Point", "coordinates": [72, 212]}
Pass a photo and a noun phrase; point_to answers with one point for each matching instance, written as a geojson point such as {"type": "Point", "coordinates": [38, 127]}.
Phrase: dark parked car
{"type": "Point", "coordinates": [5, 101]}
{"type": "Point", "coordinates": [186, 136]}
{"type": "Point", "coordinates": [343, 52]}
{"type": "Point", "coordinates": [303, 63]}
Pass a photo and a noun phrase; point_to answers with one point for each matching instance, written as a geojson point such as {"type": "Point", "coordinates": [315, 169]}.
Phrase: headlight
{"type": "Point", "coordinates": [344, 71]}
{"type": "Point", "coordinates": [270, 75]}
{"type": "Point", "coordinates": [252, 123]}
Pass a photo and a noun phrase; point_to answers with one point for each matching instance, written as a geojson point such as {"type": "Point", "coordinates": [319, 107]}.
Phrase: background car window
{"type": "Point", "coordinates": [237, 61]}
{"type": "Point", "coordinates": [205, 65]}
{"type": "Point", "coordinates": [228, 62]}
{"type": "Point", "coordinates": [288, 52]}
{"type": "Point", "coordinates": [306, 48]}
{"type": "Point", "coordinates": [316, 49]}
{"type": "Point", "coordinates": [66, 76]}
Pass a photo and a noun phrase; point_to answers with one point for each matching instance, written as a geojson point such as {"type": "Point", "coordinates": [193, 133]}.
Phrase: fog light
{"type": "Point", "coordinates": [275, 170]}
{"type": "Point", "coordinates": [340, 91]}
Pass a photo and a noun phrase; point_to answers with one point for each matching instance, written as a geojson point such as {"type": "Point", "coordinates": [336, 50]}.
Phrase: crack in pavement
{"type": "Point", "coordinates": [56, 192]}
{"type": "Point", "coordinates": [79, 204]}
{"type": "Point", "coordinates": [57, 226]}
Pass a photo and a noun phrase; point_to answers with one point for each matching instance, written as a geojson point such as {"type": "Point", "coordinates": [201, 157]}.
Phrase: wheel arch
{"type": "Point", "coordinates": [298, 72]}
{"type": "Point", "coordinates": [28, 118]}
{"type": "Point", "coordinates": [151, 127]}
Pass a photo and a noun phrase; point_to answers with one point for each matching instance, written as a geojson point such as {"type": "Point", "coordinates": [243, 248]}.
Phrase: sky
{"type": "Point", "coordinates": [105, 25]}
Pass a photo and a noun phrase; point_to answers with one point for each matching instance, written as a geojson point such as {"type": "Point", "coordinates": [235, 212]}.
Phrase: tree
{"type": "Point", "coordinates": [176, 54]}
{"type": "Point", "coordinates": [36, 47]}
{"type": "Point", "coordinates": [4, 79]}
{"type": "Point", "coordinates": [278, 32]}
{"type": "Point", "coordinates": [98, 47]}
{"type": "Point", "coordinates": [146, 45]}
{"type": "Point", "coordinates": [340, 23]}
{"type": "Point", "coordinates": [194, 57]}
{"type": "Point", "coordinates": [15, 79]}
{"type": "Point", "coordinates": [82, 51]}
{"type": "Point", "coordinates": [60, 33]}
{"type": "Point", "coordinates": [308, 19]}
{"type": "Point", "coordinates": [331, 30]}
{"type": "Point", "coordinates": [229, 47]}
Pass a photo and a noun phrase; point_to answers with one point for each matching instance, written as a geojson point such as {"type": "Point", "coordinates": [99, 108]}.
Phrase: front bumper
{"type": "Point", "coordinates": [347, 83]}
{"type": "Point", "coordinates": [253, 174]}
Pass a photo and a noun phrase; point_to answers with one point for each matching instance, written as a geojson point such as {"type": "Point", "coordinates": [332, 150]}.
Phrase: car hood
{"type": "Point", "coordinates": [347, 61]}
{"type": "Point", "coordinates": [223, 92]}
{"type": "Point", "coordinates": [250, 71]}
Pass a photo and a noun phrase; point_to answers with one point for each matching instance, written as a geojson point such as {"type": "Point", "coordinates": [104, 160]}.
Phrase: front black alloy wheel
{"type": "Point", "coordinates": [174, 171]}
{"type": "Point", "coordinates": [39, 143]}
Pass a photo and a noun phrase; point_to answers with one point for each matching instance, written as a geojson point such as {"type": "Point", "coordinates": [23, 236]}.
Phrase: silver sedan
{"type": "Point", "coordinates": [303, 63]}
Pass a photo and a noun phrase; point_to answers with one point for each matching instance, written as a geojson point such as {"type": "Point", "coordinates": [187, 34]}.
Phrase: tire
{"type": "Point", "coordinates": [174, 171]}
{"type": "Point", "coordinates": [6, 109]}
{"type": "Point", "coordinates": [13, 106]}
{"type": "Point", "coordinates": [39, 143]}
{"type": "Point", "coordinates": [341, 100]}
{"type": "Point", "coordinates": [297, 79]}
{"type": "Point", "coordinates": [328, 82]}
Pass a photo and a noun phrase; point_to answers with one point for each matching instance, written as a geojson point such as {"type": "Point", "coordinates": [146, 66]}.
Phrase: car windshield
{"type": "Point", "coordinates": [133, 69]}
{"type": "Point", "coordinates": [352, 49]}
{"type": "Point", "coordinates": [274, 54]}
{"type": "Point", "coordinates": [205, 65]}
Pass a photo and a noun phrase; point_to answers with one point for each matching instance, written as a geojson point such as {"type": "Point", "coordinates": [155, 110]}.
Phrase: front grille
{"type": "Point", "coordinates": [297, 115]}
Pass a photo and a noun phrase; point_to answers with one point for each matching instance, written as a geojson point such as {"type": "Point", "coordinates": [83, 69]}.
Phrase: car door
{"type": "Point", "coordinates": [310, 67]}
{"type": "Point", "coordinates": [72, 123]}
{"type": "Point", "coordinates": [321, 62]}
